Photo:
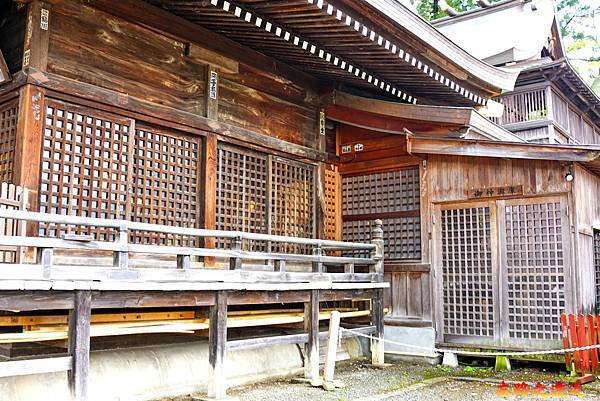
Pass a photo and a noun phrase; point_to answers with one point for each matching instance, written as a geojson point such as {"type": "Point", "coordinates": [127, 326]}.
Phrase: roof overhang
{"type": "Point", "coordinates": [587, 155]}
{"type": "Point", "coordinates": [378, 45]}
{"type": "Point", "coordinates": [399, 118]}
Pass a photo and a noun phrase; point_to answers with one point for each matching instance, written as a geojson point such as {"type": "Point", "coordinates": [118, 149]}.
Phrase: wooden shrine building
{"type": "Point", "coordinates": [177, 167]}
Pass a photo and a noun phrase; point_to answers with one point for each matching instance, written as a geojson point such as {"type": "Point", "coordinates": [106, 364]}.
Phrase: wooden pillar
{"type": "Point", "coordinates": [217, 344]}
{"type": "Point", "coordinates": [79, 345]}
{"type": "Point", "coordinates": [210, 192]}
{"type": "Point", "coordinates": [377, 346]}
{"type": "Point", "coordinates": [311, 349]}
{"type": "Point", "coordinates": [37, 35]}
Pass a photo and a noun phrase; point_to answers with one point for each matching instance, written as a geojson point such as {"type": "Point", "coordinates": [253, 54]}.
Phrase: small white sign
{"type": "Point", "coordinates": [213, 85]}
{"type": "Point", "coordinates": [45, 16]}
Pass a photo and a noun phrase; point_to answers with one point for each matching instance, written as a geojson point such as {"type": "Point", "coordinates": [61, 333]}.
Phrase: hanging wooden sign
{"type": "Point", "coordinates": [492, 192]}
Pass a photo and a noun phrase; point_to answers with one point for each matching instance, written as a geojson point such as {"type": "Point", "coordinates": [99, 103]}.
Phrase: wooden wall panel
{"type": "Point", "coordinates": [409, 296]}
{"type": "Point", "coordinates": [333, 204]}
{"type": "Point", "coordinates": [453, 177]}
{"type": "Point", "coordinates": [93, 47]}
{"type": "Point", "coordinates": [265, 113]}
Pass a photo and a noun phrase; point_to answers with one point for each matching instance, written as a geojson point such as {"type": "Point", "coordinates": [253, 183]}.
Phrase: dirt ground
{"type": "Point", "coordinates": [416, 382]}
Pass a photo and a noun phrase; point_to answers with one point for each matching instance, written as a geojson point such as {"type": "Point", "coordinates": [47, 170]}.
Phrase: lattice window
{"type": "Point", "coordinates": [467, 272]}
{"type": "Point", "coordinates": [332, 204]}
{"type": "Point", "coordinates": [535, 270]}
{"type": "Point", "coordinates": [165, 187]}
{"type": "Point", "coordinates": [85, 160]}
{"type": "Point", "coordinates": [292, 202]}
{"type": "Point", "coordinates": [597, 263]}
{"type": "Point", "coordinates": [9, 112]}
{"type": "Point", "coordinates": [241, 192]}
{"type": "Point", "coordinates": [393, 197]}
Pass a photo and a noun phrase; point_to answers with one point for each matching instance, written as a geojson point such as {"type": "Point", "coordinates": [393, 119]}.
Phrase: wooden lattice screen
{"type": "Point", "coordinates": [467, 272]}
{"type": "Point", "coordinates": [265, 194]}
{"type": "Point", "coordinates": [597, 264]}
{"type": "Point", "coordinates": [394, 198]}
{"type": "Point", "coordinates": [9, 112]}
{"type": "Point", "coordinates": [535, 270]}
{"type": "Point", "coordinates": [86, 160]}
{"type": "Point", "coordinates": [332, 204]}
{"type": "Point", "coordinates": [165, 185]}
{"type": "Point", "coordinates": [95, 164]}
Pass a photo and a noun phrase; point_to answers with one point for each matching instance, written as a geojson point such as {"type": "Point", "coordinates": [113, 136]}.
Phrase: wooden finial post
{"type": "Point", "coordinates": [377, 253]}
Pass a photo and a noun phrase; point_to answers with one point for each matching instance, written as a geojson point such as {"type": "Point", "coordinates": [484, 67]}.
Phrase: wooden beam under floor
{"type": "Point", "coordinates": [217, 346]}
{"type": "Point", "coordinates": [79, 345]}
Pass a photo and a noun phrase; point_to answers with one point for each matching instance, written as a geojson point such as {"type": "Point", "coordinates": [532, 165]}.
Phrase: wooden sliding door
{"type": "Point", "coordinates": [503, 269]}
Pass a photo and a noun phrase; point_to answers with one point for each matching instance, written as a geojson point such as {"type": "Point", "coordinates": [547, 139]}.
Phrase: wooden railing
{"type": "Point", "coordinates": [145, 271]}
{"type": "Point", "coordinates": [523, 106]}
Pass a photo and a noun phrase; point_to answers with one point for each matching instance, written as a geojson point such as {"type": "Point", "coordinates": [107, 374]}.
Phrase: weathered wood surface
{"type": "Point", "coordinates": [311, 326]}
{"type": "Point", "coordinates": [79, 345]}
{"type": "Point", "coordinates": [35, 366]}
{"type": "Point", "coordinates": [165, 69]}
{"type": "Point", "coordinates": [217, 347]}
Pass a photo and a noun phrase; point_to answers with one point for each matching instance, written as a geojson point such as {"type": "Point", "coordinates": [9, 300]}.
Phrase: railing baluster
{"type": "Point", "coordinates": [183, 262]}
{"type": "Point", "coordinates": [280, 266]}
{"type": "Point", "coordinates": [121, 258]}
{"type": "Point", "coordinates": [44, 258]}
{"type": "Point", "coordinates": [317, 267]}
{"type": "Point", "coordinates": [235, 263]}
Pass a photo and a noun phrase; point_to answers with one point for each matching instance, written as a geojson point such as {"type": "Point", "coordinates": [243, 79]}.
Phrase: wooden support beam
{"type": "Point", "coordinates": [79, 345]}
{"type": "Point", "coordinates": [37, 35]}
{"type": "Point", "coordinates": [377, 346]}
{"type": "Point", "coordinates": [209, 163]}
{"type": "Point", "coordinates": [332, 343]}
{"type": "Point", "coordinates": [311, 349]}
{"type": "Point", "coordinates": [217, 345]}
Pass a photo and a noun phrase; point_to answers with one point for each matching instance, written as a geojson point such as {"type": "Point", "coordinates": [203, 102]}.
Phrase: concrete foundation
{"type": "Point", "coordinates": [420, 336]}
{"type": "Point", "coordinates": [148, 373]}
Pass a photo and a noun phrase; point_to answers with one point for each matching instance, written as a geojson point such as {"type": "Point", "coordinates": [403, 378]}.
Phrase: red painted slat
{"type": "Point", "coordinates": [566, 343]}
{"type": "Point", "coordinates": [592, 340]}
{"type": "Point", "coordinates": [585, 354]}
{"type": "Point", "coordinates": [574, 342]}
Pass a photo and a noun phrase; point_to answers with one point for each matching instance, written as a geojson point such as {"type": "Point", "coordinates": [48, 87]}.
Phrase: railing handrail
{"type": "Point", "coordinates": [127, 225]}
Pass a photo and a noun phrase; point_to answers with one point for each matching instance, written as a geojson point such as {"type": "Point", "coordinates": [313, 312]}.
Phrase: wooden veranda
{"type": "Point", "coordinates": [335, 271]}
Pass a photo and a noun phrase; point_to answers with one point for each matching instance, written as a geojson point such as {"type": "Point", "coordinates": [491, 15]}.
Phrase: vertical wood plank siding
{"type": "Point", "coordinates": [9, 112]}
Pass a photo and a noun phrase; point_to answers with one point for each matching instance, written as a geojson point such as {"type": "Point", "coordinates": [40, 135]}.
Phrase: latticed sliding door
{"type": "Point", "coordinates": [264, 194]}
{"type": "Point", "coordinates": [292, 202]}
{"type": "Point", "coordinates": [468, 274]}
{"type": "Point", "coordinates": [86, 157]}
{"type": "Point", "coordinates": [242, 191]}
{"type": "Point", "coordinates": [597, 264]}
{"type": "Point", "coordinates": [165, 187]}
{"type": "Point", "coordinates": [534, 239]}
{"type": "Point", "coordinates": [96, 164]}
{"type": "Point", "coordinates": [504, 271]}
{"type": "Point", "coordinates": [332, 204]}
{"type": "Point", "coordinates": [393, 197]}
{"type": "Point", "coordinates": [9, 112]}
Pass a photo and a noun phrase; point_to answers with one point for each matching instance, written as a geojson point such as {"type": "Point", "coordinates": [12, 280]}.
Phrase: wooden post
{"type": "Point", "coordinates": [44, 258]}
{"type": "Point", "coordinates": [79, 345]}
{"type": "Point", "coordinates": [212, 93]}
{"type": "Point", "coordinates": [210, 192]}
{"type": "Point", "coordinates": [377, 346]}
{"type": "Point", "coordinates": [37, 36]}
{"type": "Point", "coordinates": [311, 349]}
{"type": "Point", "coordinates": [28, 146]}
{"type": "Point", "coordinates": [332, 343]}
{"type": "Point", "coordinates": [217, 344]}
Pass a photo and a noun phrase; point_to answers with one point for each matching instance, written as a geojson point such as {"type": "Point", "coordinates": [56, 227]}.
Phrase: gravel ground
{"type": "Point", "coordinates": [407, 382]}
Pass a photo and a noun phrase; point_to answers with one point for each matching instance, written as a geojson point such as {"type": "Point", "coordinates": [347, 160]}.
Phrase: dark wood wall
{"type": "Point", "coordinates": [91, 46]}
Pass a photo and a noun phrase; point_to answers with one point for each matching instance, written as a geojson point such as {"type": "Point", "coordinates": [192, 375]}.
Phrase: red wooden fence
{"type": "Point", "coordinates": [581, 331]}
